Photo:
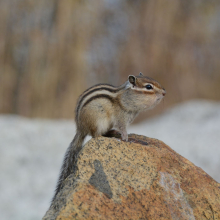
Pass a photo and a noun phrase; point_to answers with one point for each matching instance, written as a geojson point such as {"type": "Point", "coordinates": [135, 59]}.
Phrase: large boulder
{"type": "Point", "coordinates": [140, 179]}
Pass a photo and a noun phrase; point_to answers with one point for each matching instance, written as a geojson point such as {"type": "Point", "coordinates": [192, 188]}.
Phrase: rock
{"type": "Point", "coordinates": [140, 179]}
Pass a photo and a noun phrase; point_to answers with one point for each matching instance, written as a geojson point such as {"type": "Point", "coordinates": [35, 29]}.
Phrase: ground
{"type": "Point", "coordinates": [31, 152]}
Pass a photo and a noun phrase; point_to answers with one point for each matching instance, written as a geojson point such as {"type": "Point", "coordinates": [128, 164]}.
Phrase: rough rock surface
{"type": "Point", "coordinates": [140, 179]}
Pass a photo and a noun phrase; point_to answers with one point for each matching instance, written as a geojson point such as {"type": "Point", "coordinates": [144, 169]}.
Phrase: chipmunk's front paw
{"type": "Point", "coordinates": [124, 136]}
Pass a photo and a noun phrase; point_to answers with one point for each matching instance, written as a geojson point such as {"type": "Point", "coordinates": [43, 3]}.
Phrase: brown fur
{"type": "Point", "coordinates": [103, 107]}
{"type": "Point", "coordinates": [141, 81]}
{"type": "Point", "coordinates": [144, 92]}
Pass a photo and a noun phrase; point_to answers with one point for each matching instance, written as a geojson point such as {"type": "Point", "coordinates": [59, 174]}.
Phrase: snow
{"type": "Point", "coordinates": [31, 152]}
{"type": "Point", "coordinates": [192, 129]}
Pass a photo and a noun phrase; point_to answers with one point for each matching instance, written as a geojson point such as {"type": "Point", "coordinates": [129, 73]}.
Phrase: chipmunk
{"type": "Point", "coordinates": [104, 107]}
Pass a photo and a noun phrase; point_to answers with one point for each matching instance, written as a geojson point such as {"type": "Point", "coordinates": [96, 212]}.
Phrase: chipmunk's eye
{"type": "Point", "coordinates": [149, 87]}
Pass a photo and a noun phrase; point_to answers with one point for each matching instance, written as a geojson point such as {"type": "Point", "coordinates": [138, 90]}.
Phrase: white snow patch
{"type": "Point", "coordinates": [32, 150]}
{"type": "Point", "coordinates": [192, 129]}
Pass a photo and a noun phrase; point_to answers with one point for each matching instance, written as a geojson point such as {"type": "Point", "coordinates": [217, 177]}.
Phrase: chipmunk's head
{"type": "Point", "coordinates": [148, 91]}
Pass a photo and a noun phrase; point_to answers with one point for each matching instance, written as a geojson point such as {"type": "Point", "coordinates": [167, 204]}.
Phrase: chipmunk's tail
{"type": "Point", "coordinates": [70, 160]}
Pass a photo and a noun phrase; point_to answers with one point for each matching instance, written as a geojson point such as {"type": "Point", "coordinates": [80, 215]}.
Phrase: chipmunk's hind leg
{"type": "Point", "coordinates": [103, 125]}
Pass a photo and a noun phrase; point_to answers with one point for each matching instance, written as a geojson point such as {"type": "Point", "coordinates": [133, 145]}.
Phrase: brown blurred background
{"type": "Point", "coordinates": [50, 51]}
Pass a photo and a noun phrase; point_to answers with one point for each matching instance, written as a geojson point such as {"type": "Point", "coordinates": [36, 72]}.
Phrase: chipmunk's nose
{"type": "Point", "coordinates": [164, 92]}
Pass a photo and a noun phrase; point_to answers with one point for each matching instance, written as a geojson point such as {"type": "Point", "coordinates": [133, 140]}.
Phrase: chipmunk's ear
{"type": "Point", "coordinates": [140, 74]}
{"type": "Point", "coordinates": [132, 80]}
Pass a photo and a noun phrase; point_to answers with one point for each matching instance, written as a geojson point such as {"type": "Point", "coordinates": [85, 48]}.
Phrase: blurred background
{"type": "Point", "coordinates": [50, 51]}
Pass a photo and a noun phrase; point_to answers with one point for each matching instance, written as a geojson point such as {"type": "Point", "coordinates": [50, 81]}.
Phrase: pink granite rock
{"type": "Point", "coordinates": [140, 179]}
